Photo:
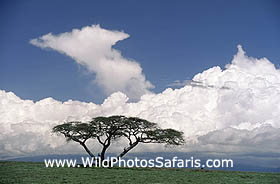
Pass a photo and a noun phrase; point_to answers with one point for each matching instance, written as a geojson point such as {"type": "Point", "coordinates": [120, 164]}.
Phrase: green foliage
{"type": "Point", "coordinates": [167, 136]}
{"type": "Point", "coordinates": [76, 131]}
{"type": "Point", "coordinates": [108, 126]}
{"type": "Point", "coordinates": [148, 132]}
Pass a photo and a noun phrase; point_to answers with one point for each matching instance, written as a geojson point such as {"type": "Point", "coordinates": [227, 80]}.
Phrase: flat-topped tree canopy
{"type": "Point", "coordinates": [76, 131]}
{"type": "Point", "coordinates": [112, 126]}
{"type": "Point", "coordinates": [107, 129]}
{"type": "Point", "coordinates": [168, 136]}
{"type": "Point", "coordinates": [148, 132]}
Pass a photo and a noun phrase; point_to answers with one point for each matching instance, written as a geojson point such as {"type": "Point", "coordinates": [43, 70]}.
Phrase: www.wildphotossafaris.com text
{"type": "Point", "coordinates": [158, 162]}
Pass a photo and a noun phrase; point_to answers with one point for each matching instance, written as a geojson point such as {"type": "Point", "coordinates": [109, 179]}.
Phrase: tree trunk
{"type": "Point", "coordinates": [102, 154]}
{"type": "Point", "coordinates": [127, 149]}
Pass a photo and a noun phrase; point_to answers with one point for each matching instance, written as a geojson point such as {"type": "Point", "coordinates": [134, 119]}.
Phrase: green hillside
{"type": "Point", "coordinates": [28, 172]}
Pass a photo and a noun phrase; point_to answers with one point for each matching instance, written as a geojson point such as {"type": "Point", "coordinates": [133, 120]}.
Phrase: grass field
{"type": "Point", "coordinates": [30, 172]}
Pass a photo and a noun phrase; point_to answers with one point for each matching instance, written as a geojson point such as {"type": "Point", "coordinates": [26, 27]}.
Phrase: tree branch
{"type": "Point", "coordinates": [125, 150]}
{"type": "Point", "coordinates": [87, 150]}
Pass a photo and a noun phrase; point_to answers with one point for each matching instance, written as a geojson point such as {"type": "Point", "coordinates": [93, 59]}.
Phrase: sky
{"type": "Point", "coordinates": [210, 70]}
{"type": "Point", "coordinates": [170, 40]}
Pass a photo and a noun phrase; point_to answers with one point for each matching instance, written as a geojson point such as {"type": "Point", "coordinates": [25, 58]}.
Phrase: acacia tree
{"type": "Point", "coordinates": [107, 129]}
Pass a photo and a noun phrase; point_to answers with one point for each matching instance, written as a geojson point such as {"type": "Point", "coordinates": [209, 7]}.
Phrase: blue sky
{"type": "Point", "coordinates": [172, 40]}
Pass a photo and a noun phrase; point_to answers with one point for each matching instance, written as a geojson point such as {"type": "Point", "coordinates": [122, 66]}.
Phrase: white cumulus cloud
{"type": "Point", "coordinates": [91, 47]}
{"type": "Point", "coordinates": [235, 110]}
